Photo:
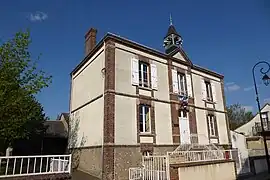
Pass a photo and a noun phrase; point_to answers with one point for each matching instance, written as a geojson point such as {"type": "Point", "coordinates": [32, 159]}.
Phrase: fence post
{"type": "Point", "coordinates": [69, 165]}
{"type": "Point", "coordinates": [168, 166]}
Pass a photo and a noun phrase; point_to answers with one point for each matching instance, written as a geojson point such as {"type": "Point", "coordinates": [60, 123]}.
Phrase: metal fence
{"type": "Point", "coordinates": [157, 167]}
{"type": "Point", "coordinates": [12, 166]}
{"type": "Point", "coordinates": [153, 168]}
{"type": "Point", "coordinates": [178, 157]}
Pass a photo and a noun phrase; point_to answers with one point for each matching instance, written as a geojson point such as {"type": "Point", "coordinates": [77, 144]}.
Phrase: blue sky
{"type": "Point", "coordinates": [225, 36]}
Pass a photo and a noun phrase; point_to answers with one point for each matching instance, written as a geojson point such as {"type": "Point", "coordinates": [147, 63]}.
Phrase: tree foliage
{"type": "Point", "coordinates": [238, 116]}
{"type": "Point", "coordinates": [21, 114]}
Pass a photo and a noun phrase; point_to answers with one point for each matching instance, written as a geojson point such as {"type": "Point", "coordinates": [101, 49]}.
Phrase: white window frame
{"type": "Point", "coordinates": [144, 107]}
{"type": "Point", "coordinates": [182, 88]}
{"type": "Point", "coordinates": [211, 124]}
{"type": "Point", "coordinates": [141, 72]}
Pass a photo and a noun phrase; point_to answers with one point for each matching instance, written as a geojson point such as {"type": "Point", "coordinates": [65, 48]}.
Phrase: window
{"type": "Point", "coordinates": [265, 120]}
{"type": "Point", "coordinates": [146, 153]}
{"type": "Point", "coordinates": [212, 125]}
{"type": "Point", "coordinates": [181, 79]}
{"type": "Point", "coordinates": [145, 122]}
{"type": "Point", "coordinates": [143, 74]}
{"type": "Point", "coordinates": [209, 94]}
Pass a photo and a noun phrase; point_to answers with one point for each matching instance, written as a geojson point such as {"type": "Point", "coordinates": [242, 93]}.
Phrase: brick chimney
{"type": "Point", "coordinates": [90, 40]}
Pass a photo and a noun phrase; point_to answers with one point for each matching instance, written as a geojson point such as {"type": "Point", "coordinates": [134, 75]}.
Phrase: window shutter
{"type": "Point", "coordinates": [154, 79]}
{"type": "Point", "coordinates": [208, 125]}
{"type": "Point", "coordinates": [189, 85]}
{"type": "Point", "coordinates": [174, 81]}
{"type": "Point", "coordinates": [215, 126]}
{"type": "Point", "coordinates": [203, 89]}
{"type": "Point", "coordinates": [214, 92]}
{"type": "Point", "coordinates": [135, 71]}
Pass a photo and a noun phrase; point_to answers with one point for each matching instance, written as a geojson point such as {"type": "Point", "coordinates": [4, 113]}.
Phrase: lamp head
{"type": "Point", "coordinates": [266, 80]}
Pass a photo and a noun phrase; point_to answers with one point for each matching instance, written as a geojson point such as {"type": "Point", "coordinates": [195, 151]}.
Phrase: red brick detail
{"type": "Point", "coordinates": [90, 40]}
{"type": "Point", "coordinates": [174, 173]}
{"type": "Point", "coordinates": [109, 112]}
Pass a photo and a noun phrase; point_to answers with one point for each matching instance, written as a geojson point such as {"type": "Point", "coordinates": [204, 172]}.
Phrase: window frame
{"type": "Point", "coordinates": [265, 120]}
{"type": "Point", "coordinates": [209, 92]}
{"type": "Point", "coordinates": [142, 82]}
{"type": "Point", "coordinates": [212, 125]}
{"type": "Point", "coordinates": [142, 113]}
{"type": "Point", "coordinates": [182, 77]}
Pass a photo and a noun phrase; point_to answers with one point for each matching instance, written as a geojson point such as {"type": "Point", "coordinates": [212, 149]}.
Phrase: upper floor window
{"type": "Point", "coordinates": [181, 83]}
{"type": "Point", "coordinates": [209, 95]}
{"type": "Point", "coordinates": [265, 120]}
{"type": "Point", "coordinates": [143, 74]}
{"type": "Point", "coordinates": [212, 125]}
{"type": "Point", "coordinates": [182, 86]}
{"type": "Point", "coordinates": [145, 123]}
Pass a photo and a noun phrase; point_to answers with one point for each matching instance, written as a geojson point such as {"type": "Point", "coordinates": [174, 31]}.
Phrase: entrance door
{"type": "Point", "coordinates": [184, 127]}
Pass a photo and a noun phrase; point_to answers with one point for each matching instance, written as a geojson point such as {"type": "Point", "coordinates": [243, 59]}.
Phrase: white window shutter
{"type": "Point", "coordinates": [135, 71]}
{"type": "Point", "coordinates": [154, 79]}
{"type": "Point", "coordinates": [189, 85]}
{"type": "Point", "coordinates": [174, 81]}
{"type": "Point", "coordinates": [214, 92]}
{"type": "Point", "coordinates": [203, 89]}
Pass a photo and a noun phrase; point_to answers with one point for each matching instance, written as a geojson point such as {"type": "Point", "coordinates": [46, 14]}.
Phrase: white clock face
{"type": "Point", "coordinates": [168, 41]}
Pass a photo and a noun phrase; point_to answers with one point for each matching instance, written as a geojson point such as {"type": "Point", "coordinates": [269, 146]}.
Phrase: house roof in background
{"type": "Point", "coordinates": [57, 128]}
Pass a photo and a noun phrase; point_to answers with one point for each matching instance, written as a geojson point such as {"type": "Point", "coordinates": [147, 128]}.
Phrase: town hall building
{"type": "Point", "coordinates": [132, 100]}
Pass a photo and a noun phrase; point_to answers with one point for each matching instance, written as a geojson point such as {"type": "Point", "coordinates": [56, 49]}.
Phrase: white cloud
{"type": "Point", "coordinates": [231, 86]}
{"type": "Point", "coordinates": [229, 83]}
{"type": "Point", "coordinates": [249, 88]}
{"type": "Point", "coordinates": [248, 108]}
{"type": "Point", "coordinates": [234, 87]}
{"type": "Point", "coordinates": [38, 16]}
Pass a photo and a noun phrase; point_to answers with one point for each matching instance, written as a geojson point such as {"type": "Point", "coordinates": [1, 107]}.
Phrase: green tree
{"type": "Point", "coordinates": [21, 114]}
{"type": "Point", "coordinates": [238, 115]}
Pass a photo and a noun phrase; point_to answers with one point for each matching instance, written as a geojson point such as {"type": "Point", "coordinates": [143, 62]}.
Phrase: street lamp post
{"type": "Point", "coordinates": [266, 81]}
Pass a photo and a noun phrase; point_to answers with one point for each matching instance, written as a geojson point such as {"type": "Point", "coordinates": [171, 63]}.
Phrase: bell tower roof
{"type": "Point", "coordinates": [172, 40]}
{"type": "Point", "coordinates": [171, 29]}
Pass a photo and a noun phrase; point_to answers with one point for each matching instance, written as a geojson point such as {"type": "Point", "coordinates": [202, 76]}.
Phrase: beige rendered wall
{"type": "Point", "coordinates": [222, 128]}
{"type": "Point", "coordinates": [86, 103]}
{"type": "Point", "coordinates": [126, 123]}
{"type": "Point", "coordinates": [201, 126]}
{"type": "Point", "coordinates": [197, 88]}
{"type": "Point", "coordinates": [125, 120]}
{"type": "Point", "coordinates": [220, 171]}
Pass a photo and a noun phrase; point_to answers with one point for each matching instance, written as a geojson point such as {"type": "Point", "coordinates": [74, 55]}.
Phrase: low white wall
{"type": "Point", "coordinates": [220, 171]}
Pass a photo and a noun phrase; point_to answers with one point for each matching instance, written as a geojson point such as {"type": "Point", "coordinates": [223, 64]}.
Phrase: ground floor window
{"type": "Point", "coordinates": [145, 123]}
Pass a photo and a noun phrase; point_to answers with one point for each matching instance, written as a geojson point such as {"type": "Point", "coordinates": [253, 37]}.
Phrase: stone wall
{"type": "Point", "coordinates": [42, 177]}
{"type": "Point", "coordinates": [90, 161]}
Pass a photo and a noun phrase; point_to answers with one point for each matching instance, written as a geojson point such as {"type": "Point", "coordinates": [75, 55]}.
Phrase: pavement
{"type": "Point", "coordinates": [79, 175]}
{"type": "Point", "coordinates": [261, 176]}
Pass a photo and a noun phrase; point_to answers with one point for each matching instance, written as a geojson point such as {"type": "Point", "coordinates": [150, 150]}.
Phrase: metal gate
{"type": "Point", "coordinates": [153, 168]}
{"type": "Point", "coordinates": [241, 159]}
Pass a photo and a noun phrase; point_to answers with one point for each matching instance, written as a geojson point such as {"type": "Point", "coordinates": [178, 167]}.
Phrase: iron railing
{"type": "Point", "coordinates": [178, 157]}
{"type": "Point", "coordinates": [13, 166]}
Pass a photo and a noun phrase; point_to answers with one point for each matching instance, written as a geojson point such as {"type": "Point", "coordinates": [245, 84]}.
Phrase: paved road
{"type": "Point", "coordinates": [79, 175]}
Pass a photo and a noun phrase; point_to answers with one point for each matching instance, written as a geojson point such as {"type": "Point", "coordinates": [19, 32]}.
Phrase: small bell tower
{"type": "Point", "coordinates": [172, 40]}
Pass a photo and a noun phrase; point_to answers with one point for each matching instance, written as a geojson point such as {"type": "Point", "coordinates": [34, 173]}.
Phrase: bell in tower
{"type": "Point", "coordinates": [172, 40]}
